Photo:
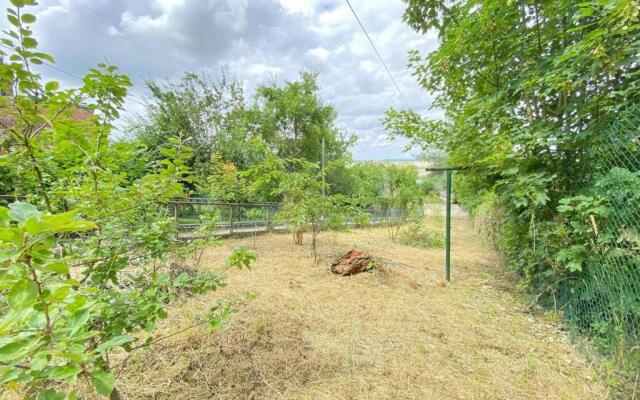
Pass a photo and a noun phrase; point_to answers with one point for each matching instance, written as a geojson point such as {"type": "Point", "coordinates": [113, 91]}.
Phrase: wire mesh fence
{"type": "Point", "coordinates": [604, 302]}
{"type": "Point", "coordinates": [248, 218]}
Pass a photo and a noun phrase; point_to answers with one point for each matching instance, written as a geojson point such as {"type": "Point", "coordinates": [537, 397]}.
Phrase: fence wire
{"type": "Point", "coordinates": [604, 302]}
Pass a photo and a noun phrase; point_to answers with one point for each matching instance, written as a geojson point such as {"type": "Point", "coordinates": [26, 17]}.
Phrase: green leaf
{"type": "Point", "coordinates": [28, 18]}
{"type": "Point", "coordinates": [39, 361]}
{"type": "Point", "coordinates": [51, 86]}
{"type": "Point", "coordinates": [574, 266]}
{"type": "Point", "coordinates": [10, 235]}
{"type": "Point", "coordinates": [20, 211]}
{"type": "Point", "coordinates": [104, 382]}
{"type": "Point", "coordinates": [78, 319]}
{"type": "Point", "coordinates": [65, 372]}
{"type": "Point", "coordinates": [4, 216]}
{"type": "Point", "coordinates": [113, 342]}
{"type": "Point", "coordinates": [18, 3]}
{"type": "Point", "coordinates": [13, 350]}
{"type": "Point", "coordinates": [29, 43]}
{"type": "Point", "coordinates": [12, 375]}
{"type": "Point", "coordinates": [60, 293]}
{"type": "Point", "coordinates": [13, 20]}
{"type": "Point", "coordinates": [59, 267]}
{"type": "Point", "coordinates": [7, 280]}
{"type": "Point", "coordinates": [217, 318]}
{"type": "Point", "coordinates": [51, 394]}
{"type": "Point", "coordinates": [23, 294]}
{"type": "Point", "coordinates": [58, 223]}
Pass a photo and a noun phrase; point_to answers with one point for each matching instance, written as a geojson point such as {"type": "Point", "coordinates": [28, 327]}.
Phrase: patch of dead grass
{"type": "Point", "coordinates": [397, 332]}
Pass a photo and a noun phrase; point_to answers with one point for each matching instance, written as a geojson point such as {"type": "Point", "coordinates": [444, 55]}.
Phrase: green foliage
{"type": "Point", "coordinates": [540, 99]}
{"type": "Point", "coordinates": [225, 181]}
{"type": "Point", "coordinates": [293, 120]}
{"type": "Point", "coordinates": [303, 204]}
{"type": "Point", "coordinates": [383, 186]}
{"type": "Point", "coordinates": [214, 117]}
{"type": "Point", "coordinates": [242, 258]}
{"type": "Point", "coordinates": [416, 235]}
{"type": "Point", "coordinates": [255, 214]}
{"type": "Point", "coordinates": [210, 114]}
{"type": "Point", "coordinates": [362, 219]}
{"type": "Point", "coordinates": [88, 275]}
{"type": "Point", "coordinates": [388, 190]}
{"type": "Point", "coordinates": [340, 210]}
{"type": "Point", "coordinates": [402, 199]}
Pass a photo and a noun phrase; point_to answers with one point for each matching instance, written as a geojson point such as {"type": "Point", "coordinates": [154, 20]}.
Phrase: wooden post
{"type": "Point", "coordinates": [230, 220]}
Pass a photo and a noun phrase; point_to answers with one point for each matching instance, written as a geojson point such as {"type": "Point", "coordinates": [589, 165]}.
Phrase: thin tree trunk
{"type": "Point", "coordinates": [39, 175]}
{"type": "Point", "coordinates": [313, 243]}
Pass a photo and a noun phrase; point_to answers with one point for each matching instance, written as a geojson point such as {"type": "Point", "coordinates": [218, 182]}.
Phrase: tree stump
{"type": "Point", "coordinates": [354, 262]}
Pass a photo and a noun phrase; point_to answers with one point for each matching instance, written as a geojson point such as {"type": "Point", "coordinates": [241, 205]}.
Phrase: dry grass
{"type": "Point", "coordinates": [395, 333]}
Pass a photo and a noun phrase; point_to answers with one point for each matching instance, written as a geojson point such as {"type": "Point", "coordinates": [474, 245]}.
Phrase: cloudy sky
{"type": "Point", "coordinates": [255, 41]}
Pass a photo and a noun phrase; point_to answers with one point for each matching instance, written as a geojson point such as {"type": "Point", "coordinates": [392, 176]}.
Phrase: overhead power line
{"type": "Point", "coordinates": [375, 49]}
{"type": "Point", "coordinates": [52, 66]}
{"type": "Point", "coordinates": [132, 34]}
{"type": "Point", "coordinates": [71, 74]}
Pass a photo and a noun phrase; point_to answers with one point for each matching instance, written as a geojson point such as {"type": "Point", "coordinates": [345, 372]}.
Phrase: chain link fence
{"type": "Point", "coordinates": [604, 303]}
{"type": "Point", "coordinates": [250, 218]}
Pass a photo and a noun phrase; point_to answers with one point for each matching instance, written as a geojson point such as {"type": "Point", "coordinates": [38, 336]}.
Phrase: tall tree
{"type": "Point", "coordinates": [294, 120]}
{"type": "Point", "coordinates": [210, 114]}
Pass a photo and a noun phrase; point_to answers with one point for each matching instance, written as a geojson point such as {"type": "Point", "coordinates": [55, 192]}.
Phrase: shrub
{"type": "Point", "coordinates": [362, 219]}
{"type": "Point", "coordinates": [417, 235]}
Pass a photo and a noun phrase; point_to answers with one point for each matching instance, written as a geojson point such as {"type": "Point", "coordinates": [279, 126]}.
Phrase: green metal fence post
{"type": "Point", "coordinates": [447, 263]}
{"type": "Point", "coordinates": [447, 260]}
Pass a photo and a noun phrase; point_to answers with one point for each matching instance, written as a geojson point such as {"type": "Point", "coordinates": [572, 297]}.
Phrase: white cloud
{"type": "Point", "coordinates": [367, 66]}
{"type": "Point", "coordinates": [304, 7]}
{"type": "Point", "coordinates": [259, 69]}
{"type": "Point", "coordinates": [255, 41]}
{"type": "Point", "coordinates": [382, 141]}
{"type": "Point", "coordinates": [319, 52]}
{"type": "Point", "coordinates": [336, 19]}
{"type": "Point", "coordinates": [113, 31]}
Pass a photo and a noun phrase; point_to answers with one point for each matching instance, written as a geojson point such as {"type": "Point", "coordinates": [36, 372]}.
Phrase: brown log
{"type": "Point", "coordinates": [354, 262]}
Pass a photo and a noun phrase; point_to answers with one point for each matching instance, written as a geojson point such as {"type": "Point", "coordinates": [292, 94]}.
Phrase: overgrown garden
{"type": "Point", "coordinates": [541, 107]}
{"type": "Point", "coordinates": [88, 257]}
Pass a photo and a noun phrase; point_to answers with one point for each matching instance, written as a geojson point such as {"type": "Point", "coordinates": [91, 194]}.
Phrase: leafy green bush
{"type": "Point", "coordinates": [431, 187]}
{"type": "Point", "coordinates": [417, 235]}
{"type": "Point", "coordinates": [62, 318]}
{"type": "Point", "coordinates": [362, 219]}
{"type": "Point", "coordinates": [336, 221]}
{"type": "Point", "coordinates": [90, 274]}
